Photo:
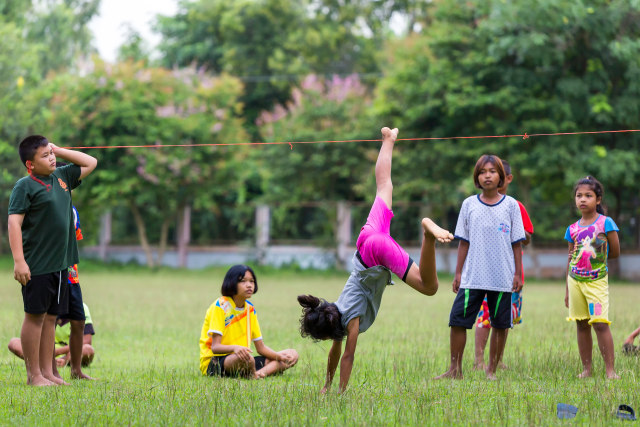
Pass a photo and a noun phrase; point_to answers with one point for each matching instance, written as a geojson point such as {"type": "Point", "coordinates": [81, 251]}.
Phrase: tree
{"type": "Point", "coordinates": [130, 104]}
{"type": "Point", "coordinates": [61, 28]}
{"type": "Point", "coordinates": [492, 68]}
{"type": "Point", "coordinates": [320, 110]}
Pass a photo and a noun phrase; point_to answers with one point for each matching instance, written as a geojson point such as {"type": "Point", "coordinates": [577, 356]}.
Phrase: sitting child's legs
{"type": "Point", "coordinates": [273, 366]}
{"type": "Point", "coordinates": [15, 347]}
{"type": "Point", "coordinates": [87, 355]}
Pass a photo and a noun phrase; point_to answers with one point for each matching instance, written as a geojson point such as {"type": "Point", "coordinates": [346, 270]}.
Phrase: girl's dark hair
{"type": "Point", "coordinates": [483, 160]}
{"type": "Point", "coordinates": [596, 187]}
{"type": "Point", "coordinates": [233, 276]}
{"type": "Point", "coordinates": [320, 319]}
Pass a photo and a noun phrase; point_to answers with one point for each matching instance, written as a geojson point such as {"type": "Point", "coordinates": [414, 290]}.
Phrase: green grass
{"type": "Point", "coordinates": [148, 324]}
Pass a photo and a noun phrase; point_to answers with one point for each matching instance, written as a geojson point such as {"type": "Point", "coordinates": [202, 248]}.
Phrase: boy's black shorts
{"type": "Point", "coordinates": [468, 302]}
{"type": "Point", "coordinates": [76, 308]}
{"type": "Point", "coordinates": [216, 366]}
{"type": "Point", "coordinates": [46, 293]}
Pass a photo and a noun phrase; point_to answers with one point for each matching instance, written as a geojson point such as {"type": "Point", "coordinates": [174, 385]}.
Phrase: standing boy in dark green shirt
{"type": "Point", "coordinates": [43, 244]}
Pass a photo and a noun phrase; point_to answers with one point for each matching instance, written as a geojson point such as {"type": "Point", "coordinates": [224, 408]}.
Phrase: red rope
{"type": "Point", "coordinates": [290, 143]}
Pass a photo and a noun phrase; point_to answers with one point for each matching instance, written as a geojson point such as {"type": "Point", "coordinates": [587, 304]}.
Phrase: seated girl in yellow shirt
{"type": "Point", "coordinates": [230, 325]}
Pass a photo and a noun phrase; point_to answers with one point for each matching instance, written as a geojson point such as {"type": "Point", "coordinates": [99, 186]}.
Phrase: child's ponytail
{"type": "Point", "coordinates": [596, 187]}
{"type": "Point", "coordinates": [320, 320]}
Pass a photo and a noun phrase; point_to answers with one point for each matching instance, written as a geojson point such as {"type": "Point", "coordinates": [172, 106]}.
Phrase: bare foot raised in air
{"type": "Point", "coordinates": [432, 229]}
{"type": "Point", "coordinates": [389, 134]}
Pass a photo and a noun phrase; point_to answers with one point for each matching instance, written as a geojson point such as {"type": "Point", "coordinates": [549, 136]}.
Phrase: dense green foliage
{"type": "Point", "coordinates": [147, 329]}
{"type": "Point", "coordinates": [283, 70]}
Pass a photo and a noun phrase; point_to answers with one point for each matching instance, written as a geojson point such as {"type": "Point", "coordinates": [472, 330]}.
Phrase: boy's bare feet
{"type": "Point", "coordinates": [454, 374]}
{"type": "Point", "coordinates": [491, 376]}
{"type": "Point", "coordinates": [585, 374]}
{"type": "Point", "coordinates": [57, 381]}
{"type": "Point", "coordinates": [39, 381]}
{"type": "Point", "coordinates": [81, 376]}
{"type": "Point", "coordinates": [432, 229]}
{"type": "Point", "coordinates": [613, 376]}
{"type": "Point", "coordinates": [479, 365]}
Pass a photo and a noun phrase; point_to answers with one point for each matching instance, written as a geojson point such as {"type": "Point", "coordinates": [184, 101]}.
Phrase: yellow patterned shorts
{"type": "Point", "coordinates": [589, 300]}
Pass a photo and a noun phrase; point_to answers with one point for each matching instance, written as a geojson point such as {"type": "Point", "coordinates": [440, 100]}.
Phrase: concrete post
{"type": "Point", "coordinates": [184, 235]}
{"type": "Point", "coordinates": [343, 234]}
{"type": "Point", "coordinates": [105, 235]}
{"type": "Point", "coordinates": [263, 223]}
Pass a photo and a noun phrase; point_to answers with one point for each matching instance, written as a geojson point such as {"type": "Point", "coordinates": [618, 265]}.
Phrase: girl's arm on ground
{"type": "Point", "coordinates": [267, 352]}
{"type": "Point", "coordinates": [346, 363]}
{"type": "Point", "coordinates": [614, 244]}
{"type": "Point", "coordinates": [633, 336]}
{"type": "Point", "coordinates": [332, 364]}
{"type": "Point", "coordinates": [21, 271]}
{"type": "Point", "coordinates": [243, 353]}
{"type": "Point", "coordinates": [463, 250]}
{"type": "Point", "coordinates": [517, 256]}
{"type": "Point", "coordinates": [566, 294]}
{"type": "Point", "coordinates": [86, 162]}
{"type": "Point", "coordinates": [87, 339]}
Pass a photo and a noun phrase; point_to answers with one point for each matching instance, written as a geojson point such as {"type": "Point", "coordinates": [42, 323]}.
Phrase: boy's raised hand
{"type": "Point", "coordinates": [391, 134]}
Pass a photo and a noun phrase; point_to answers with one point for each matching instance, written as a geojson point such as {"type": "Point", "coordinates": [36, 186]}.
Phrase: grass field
{"type": "Point", "coordinates": [148, 323]}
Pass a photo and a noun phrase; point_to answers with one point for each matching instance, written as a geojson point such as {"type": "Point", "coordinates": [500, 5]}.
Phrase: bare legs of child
{"type": "Point", "coordinates": [605, 343]}
{"type": "Point", "coordinates": [30, 340]}
{"type": "Point", "coordinates": [247, 368]}
{"type": "Point", "coordinates": [273, 366]}
{"type": "Point", "coordinates": [481, 339]}
{"type": "Point", "coordinates": [422, 278]}
{"type": "Point", "coordinates": [458, 340]}
{"type": "Point", "coordinates": [77, 351]}
{"type": "Point", "coordinates": [47, 344]}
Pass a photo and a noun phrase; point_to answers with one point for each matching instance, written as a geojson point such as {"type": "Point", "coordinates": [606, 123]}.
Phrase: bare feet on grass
{"type": "Point", "coordinates": [491, 376]}
{"type": "Point", "coordinates": [453, 374]}
{"type": "Point", "coordinates": [57, 381]}
{"type": "Point", "coordinates": [81, 376]}
{"type": "Point", "coordinates": [431, 229]}
{"type": "Point", "coordinates": [612, 375]}
{"type": "Point", "coordinates": [479, 365]}
{"type": "Point", "coordinates": [585, 374]}
{"type": "Point", "coordinates": [39, 381]}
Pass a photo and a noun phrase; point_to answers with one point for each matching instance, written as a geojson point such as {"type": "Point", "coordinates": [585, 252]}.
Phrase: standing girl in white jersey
{"type": "Point", "coordinates": [592, 240]}
{"type": "Point", "coordinates": [489, 262]}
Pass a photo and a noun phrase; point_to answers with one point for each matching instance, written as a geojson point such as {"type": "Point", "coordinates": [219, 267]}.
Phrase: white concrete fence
{"type": "Point", "coordinates": [538, 263]}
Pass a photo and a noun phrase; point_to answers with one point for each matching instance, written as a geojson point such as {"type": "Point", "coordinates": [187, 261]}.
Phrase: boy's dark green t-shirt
{"type": "Point", "coordinates": [48, 232]}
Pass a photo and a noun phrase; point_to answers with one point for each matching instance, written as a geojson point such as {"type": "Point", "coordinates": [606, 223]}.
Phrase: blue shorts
{"type": "Point", "coordinates": [76, 308]}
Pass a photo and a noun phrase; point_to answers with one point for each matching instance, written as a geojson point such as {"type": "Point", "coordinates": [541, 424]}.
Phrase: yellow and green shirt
{"type": "Point", "coordinates": [224, 318]}
{"type": "Point", "coordinates": [63, 331]}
